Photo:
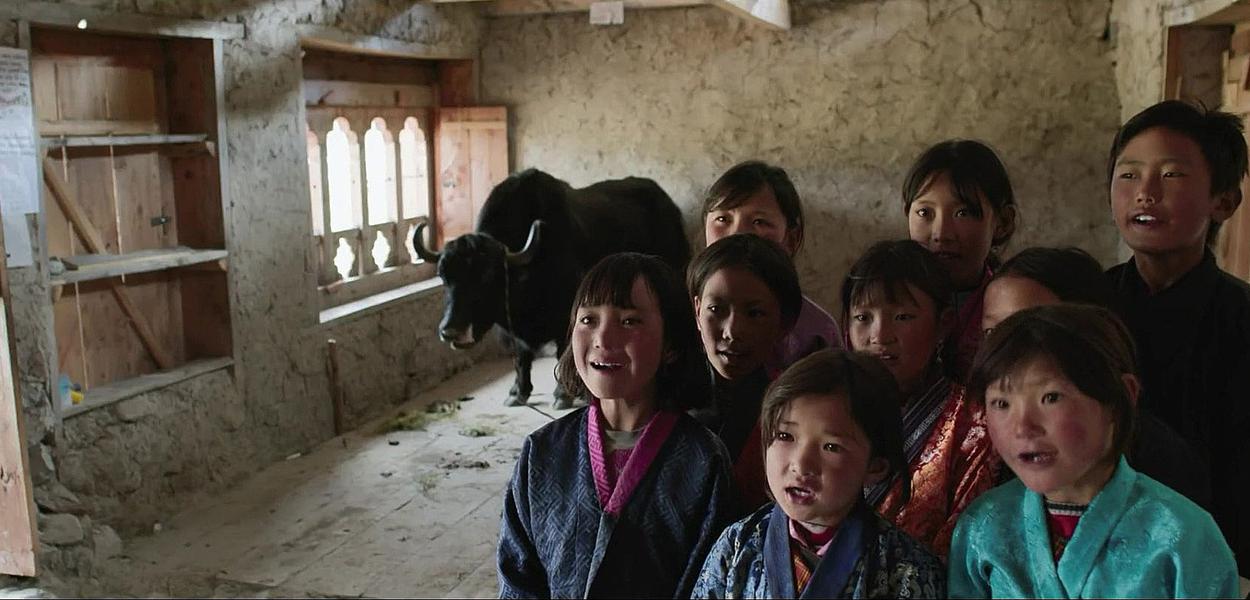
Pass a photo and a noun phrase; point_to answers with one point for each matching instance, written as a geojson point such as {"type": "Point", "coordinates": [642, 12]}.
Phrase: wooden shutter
{"type": "Point", "coordinates": [470, 159]}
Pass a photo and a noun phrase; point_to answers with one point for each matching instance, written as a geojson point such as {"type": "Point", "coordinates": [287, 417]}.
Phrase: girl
{"type": "Point", "coordinates": [960, 206]}
{"type": "Point", "coordinates": [757, 198]}
{"type": "Point", "coordinates": [896, 296]}
{"type": "Point", "coordinates": [746, 296]}
{"type": "Point", "coordinates": [831, 427]}
{"type": "Point", "coordinates": [1059, 388]}
{"type": "Point", "coordinates": [1047, 276]}
{"type": "Point", "coordinates": [622, 498]}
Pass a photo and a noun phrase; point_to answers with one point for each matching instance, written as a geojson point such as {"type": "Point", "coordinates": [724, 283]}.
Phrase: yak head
{"type": "Point", "coordinates": [473, 270]}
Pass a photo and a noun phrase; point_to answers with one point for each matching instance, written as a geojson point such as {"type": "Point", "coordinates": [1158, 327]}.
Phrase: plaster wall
{"type": "Point", "coordinates": [845, 101]}
{"type": "Point", "coordinates": [128, 464]}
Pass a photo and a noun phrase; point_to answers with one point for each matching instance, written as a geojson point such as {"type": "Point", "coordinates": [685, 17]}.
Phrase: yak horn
{"type": "Point", "coordinates": [522, 258]}
{"type": "Point", "coordinates": [418, 244]}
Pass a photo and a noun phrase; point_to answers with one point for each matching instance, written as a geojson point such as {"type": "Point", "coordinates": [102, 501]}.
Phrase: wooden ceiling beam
{"type": "Point", "coordinates": [511, 8]}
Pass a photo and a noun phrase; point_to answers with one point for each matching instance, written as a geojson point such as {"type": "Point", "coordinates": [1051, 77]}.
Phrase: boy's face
{"type": "Point", "coordinates": [904, 333]}
{"type": "Point", "coordinates": [1056, 439]}
{"type": "Point", "coordinates": [959, 236]}
{"type": "Point", "coordinates": [739, 320]}
{"type": "Point", "coordinates": [820, 460]}
{"type": "Point", "coordinates": [1009, 295]}
{"type": "Point", "coordinates": [618, 350]}
{"type": "Point", "coordinates": [759, 214]}
{"type": "Point", "coordinates": [1161, 194]}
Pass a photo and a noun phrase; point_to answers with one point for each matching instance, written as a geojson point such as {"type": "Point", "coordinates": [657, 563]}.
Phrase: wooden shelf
{"type": "Point", "coordinates": [103, 266]}
{"type": "Point", "coordinates": [78, 141]}
{"type": "Point", "coordinates": [189, 141]}
{"type": "Point", "coordinates": [120, 390]}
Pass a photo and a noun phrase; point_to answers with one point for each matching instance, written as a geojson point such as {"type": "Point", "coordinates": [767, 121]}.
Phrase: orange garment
{"type": "Point", "coordinates": [956, 464]}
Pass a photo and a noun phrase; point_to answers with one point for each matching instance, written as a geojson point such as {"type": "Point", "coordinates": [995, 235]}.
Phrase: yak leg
{"type": "Point", "coordinates": [519, 395]}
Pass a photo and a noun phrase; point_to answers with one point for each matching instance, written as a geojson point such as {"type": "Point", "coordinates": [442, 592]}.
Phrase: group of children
{"type": "Point", "coordinates": [1030, 428]}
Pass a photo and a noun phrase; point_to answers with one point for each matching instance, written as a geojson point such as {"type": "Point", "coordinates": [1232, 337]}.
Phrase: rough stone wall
{"type": "Point", "coordinates": [845, 101]}
{"type": "Point", "coordinates": [132, 462]}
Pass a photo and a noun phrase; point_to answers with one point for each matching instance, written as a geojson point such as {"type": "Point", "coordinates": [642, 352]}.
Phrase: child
{"type": "Point", "coordinates": [960, 206]}
{"type": "Point", "coordinates": [746, 297]}
{"type": "Point", "coordinates": [1174, 173]}
{"type": "Point", "coordinates": [754, 197]}
{"type": "Point", "coordinates": [1079, 522]}
{"type": "Point", "coordinates": [624, 497]}
{"type": "Point", "coordinates": [896, 296]}
{"type": "Point", "coordinates": [1047, 276]}
{"type": "Point", "coordinates": [831, 427]}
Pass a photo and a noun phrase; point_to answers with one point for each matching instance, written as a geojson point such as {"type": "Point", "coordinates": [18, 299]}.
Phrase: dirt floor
{"type": "Point", "coordinates": [369, 514]}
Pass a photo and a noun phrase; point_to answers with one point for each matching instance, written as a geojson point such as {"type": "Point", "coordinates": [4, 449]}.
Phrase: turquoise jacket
{"type": "Point", "coordinates": [1138, 538]}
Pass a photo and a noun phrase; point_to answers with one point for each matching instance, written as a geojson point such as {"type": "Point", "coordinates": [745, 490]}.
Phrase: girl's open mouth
{"type": "Point", "coordinates": [1038, 459]}
{"type": "Point", "coordinates": [800, 495]}
{"type": "Point", "coordinates": [605, 366]}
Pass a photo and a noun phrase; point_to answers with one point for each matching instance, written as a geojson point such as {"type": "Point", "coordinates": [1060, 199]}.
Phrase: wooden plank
{"type": "Point", "coordinates": [514, 8]}
{"type": "Point", "coordinates": [93, 242]}
{"type": "Point", "coordinates": [68, 15]}
{"type": "Point", "coordinates": [771, 13]}
{"type": "Point", "coordinates": [18, 533]}
{"type": "Point", "coordinates": [339, 66]}
{"type": "Point", "coordinates": [357, 94]}
{"type": "Point", "coordinates": [120, 390]}
{"type": "Point", "coordinates": [453, 191]}
{"type": "Point", "coordinates": [457, 83]}
{"type": "Point", "coordinates": [196, 140]}
{"type": "Point", "coordinates": [101, 266]}
{"type": "Point", "coordinates": [337, 40]}
{"type": "Point", "coordinates": [97, 127]}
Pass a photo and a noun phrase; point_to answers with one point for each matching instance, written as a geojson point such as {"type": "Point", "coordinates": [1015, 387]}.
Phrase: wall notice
{"type": "Point", "coordinates": [19, 185]}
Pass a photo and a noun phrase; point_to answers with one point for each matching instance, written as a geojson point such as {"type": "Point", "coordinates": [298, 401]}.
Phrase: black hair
{"type": "Point", "coordinates": [758, 256]}
{"type": "Point", "coordinates": [1089, 344]}
{"type": "Point", "coordinates": [885, 270]}
{"type": "Point", "coordinates": [1071, 274]}
{"type": "Point", "coordinates": [681, 375]}
{"type": "Point", "coordinates": [1218, 134]}
{"type": "Point", "coordinates": [744, 180]}
{"type": "Point", "coordinates": [975, 173]}
{"type": "Point", "coordinates": [872, 395]}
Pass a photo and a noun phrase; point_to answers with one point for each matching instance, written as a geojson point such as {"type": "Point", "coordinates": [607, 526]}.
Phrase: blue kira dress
{"type": "Point", "coordinates": [867, 558]}
{"type": "Point", "coordinates": [1138, 538]}
{"type": "Point", "coordinates": [557, 539]}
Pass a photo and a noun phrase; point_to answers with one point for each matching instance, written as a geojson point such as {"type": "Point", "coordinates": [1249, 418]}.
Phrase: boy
{"type": "Point", "coordinates": [1175, 173]}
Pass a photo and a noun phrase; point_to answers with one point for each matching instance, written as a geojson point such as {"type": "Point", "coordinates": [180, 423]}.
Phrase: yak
{"type": "Point", "coordinates": [535, 237]}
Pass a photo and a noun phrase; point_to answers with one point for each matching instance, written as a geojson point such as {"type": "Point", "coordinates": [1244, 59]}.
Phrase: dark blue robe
{"type": "Point", "coordinates": [556, 540]}
{"type": "Point", "coordinates": [868, 558]}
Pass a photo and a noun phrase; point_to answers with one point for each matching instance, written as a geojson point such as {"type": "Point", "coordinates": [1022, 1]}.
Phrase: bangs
{"type": "Point", "coordinates": [882, 289]}
{"type": "Point", "coordinates": [611, 285]}
{"type": "Point", "coordinates": [731, 197]}
{"type": "Point", "coordinates": [963, 183]}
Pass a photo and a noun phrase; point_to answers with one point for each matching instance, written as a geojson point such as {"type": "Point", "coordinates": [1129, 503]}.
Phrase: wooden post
{"type": "Point", "coordinates": [95, 244]}
{"type": "Point", "coordinates": [18, 535]}
{"type": "Point", "coordinates": [336, 386]}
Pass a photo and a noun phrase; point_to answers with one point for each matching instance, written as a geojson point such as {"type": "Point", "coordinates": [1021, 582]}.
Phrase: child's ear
{"type": "Point", "coordinates": [1225, 205]}
{"type": "Point", "coordinates": [1005, 225]}
{"type": "Point", "coordinates": [794, 239]}
{"type": "Point", "coordinates": [1133, 386]}
{"type": "Point", "coordinates": [878, 468]}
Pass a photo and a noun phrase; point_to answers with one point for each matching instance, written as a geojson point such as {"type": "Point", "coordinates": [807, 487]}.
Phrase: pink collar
{"type": "Point", "coordinates": [654, 433]}
{"type": "Point", "coordinates": [803, 536]}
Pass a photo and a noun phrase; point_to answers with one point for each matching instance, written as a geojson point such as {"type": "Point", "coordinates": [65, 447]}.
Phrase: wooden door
{"type": "Point", "coordinates": [470, 159]}
{"type": "Point", "coordinates": [17, 506]}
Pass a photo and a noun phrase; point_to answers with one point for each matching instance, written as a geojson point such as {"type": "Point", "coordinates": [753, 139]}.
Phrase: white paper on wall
{"type": "Point", "coordinates": [17, 242]}
{"type": "Point", "coordinates": [19, 190]}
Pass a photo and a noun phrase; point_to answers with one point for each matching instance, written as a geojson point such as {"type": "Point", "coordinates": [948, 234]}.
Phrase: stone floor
{"type": "Point", "coordinates": [367, 514]}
